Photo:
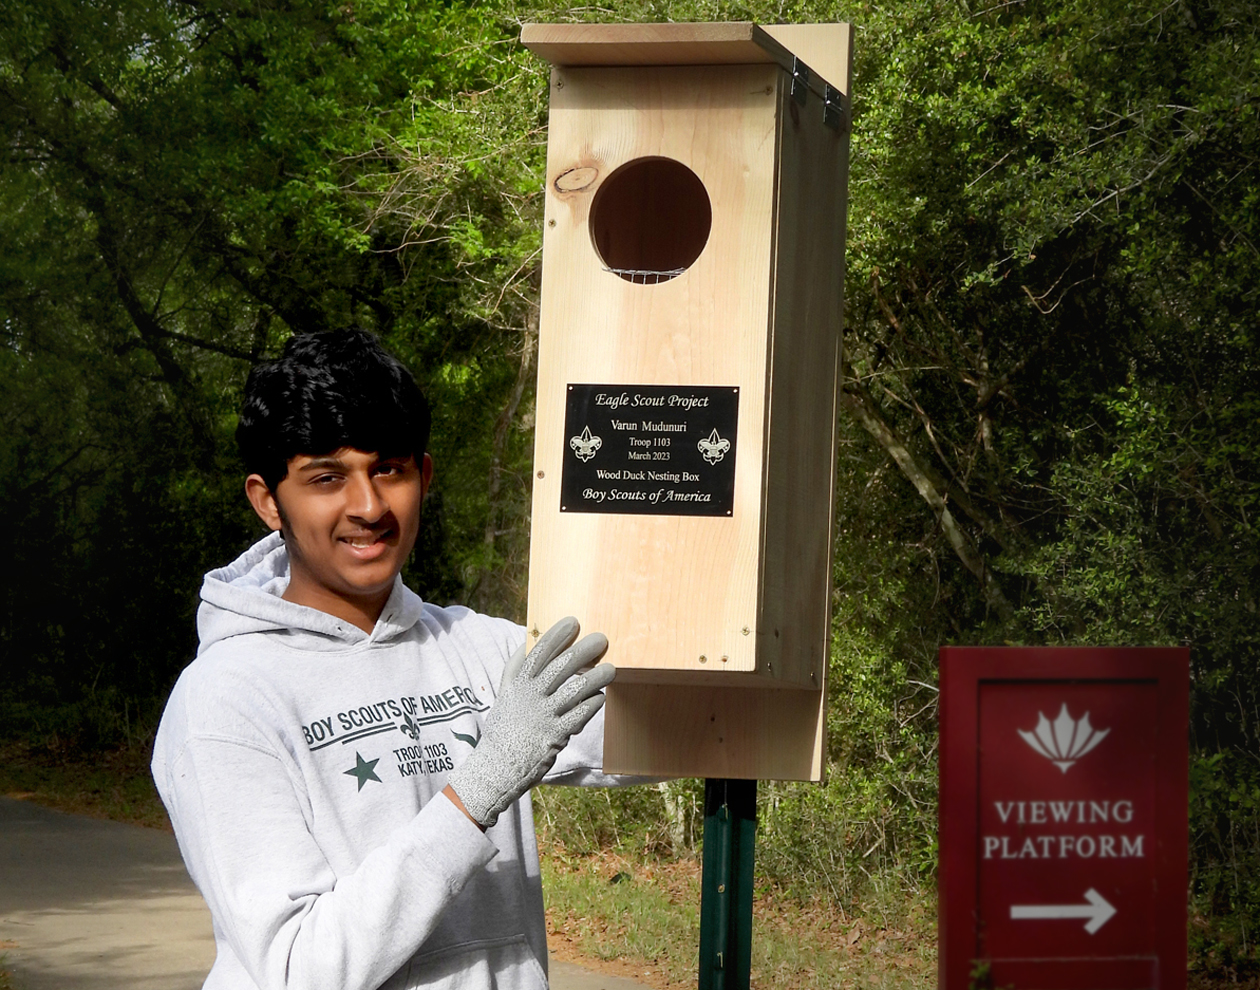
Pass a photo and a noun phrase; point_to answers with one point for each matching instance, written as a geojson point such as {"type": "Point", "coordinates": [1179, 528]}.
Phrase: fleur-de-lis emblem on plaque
{"type": "Point", "coordinates": [713, 447]}
{"type": "Point", "coordinates": [1066, 741]}
{"type": "Point", "coordinates": [585, 445]}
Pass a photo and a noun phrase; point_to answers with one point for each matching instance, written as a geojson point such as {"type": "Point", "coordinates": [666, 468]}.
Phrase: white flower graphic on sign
{"type": "Point", "coordinates": [713, 447]}
{"type": "Point", "coordinates": [1066, 740]}
{"type": "Point", "coordinates": [585, 445]}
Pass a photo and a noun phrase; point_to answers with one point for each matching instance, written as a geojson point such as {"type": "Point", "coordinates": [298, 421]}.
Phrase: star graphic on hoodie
{"type": "Point", "coordinates": [363, 770]}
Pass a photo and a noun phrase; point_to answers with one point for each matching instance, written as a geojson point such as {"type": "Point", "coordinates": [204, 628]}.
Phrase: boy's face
{"type": "Point", "coordinates": [350, 520]}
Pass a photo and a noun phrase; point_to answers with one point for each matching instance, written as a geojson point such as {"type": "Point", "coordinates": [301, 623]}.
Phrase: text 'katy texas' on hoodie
{"type": "Point", "coordinates": [302, 762]}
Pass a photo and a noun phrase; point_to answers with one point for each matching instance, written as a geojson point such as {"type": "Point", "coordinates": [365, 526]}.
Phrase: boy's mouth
{"type": "Point", "coordinates": [368, 540]}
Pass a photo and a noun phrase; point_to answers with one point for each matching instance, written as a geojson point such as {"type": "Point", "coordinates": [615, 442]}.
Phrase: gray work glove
{"type": "Point", "coordinates": [542, 701]}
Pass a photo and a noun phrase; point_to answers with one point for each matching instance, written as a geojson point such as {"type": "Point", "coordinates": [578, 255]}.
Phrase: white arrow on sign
{"type": "Point", "coordinates": [1098, 910]}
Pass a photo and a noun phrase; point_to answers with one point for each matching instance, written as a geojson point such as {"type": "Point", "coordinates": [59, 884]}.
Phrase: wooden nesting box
{"type": "Point", "coordinates": [692, 305]}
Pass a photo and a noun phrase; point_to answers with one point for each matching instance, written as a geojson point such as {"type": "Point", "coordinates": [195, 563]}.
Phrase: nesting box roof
{"type": "Point", "coordinates": [823, 47]}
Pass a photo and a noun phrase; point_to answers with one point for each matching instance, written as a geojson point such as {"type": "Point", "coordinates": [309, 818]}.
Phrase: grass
{"type": "Point", "coordinates": [640, 918]}
{"type": "Point", "coordinates": [114, 784]}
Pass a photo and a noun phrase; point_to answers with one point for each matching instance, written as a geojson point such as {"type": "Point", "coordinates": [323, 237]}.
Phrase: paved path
{"type": "Point", "coordinates": [94, 905]}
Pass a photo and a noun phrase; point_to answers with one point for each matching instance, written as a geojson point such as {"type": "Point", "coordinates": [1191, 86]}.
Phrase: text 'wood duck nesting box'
{"type": "Point", "coordinates": [692, 303]}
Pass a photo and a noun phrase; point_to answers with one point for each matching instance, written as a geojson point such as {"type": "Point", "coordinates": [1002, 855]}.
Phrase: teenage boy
{"type": "Point", "coordinates": [347, 767]}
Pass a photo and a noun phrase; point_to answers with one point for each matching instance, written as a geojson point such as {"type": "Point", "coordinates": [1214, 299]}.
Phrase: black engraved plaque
{"type": "Point", "coordinates": [656, 450]}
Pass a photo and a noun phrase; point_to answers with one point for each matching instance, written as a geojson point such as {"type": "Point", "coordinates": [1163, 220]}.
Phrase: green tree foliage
{"type": "Point", "coordinates": [1053, 338]}
{"type": "Point", "coordinates": [183, 185]}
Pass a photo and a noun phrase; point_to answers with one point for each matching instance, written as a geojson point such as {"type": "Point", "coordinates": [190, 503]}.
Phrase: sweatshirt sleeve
{"type": "Point", "coordinates": [288, 918]}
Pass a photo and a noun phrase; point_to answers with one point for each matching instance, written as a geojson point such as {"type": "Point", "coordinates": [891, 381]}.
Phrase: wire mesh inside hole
{"type": "Point", "coordinates": [650, 220]}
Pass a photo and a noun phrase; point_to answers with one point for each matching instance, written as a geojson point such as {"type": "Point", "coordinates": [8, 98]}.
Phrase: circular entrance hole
{"type": "Point", "coordinates": [650, 220]}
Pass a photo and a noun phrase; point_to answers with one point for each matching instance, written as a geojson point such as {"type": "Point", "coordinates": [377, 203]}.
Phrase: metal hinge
{"type": "Point", "coordinates": [835, 115]}
{"type": "Point", "coordinates": [800, 80]}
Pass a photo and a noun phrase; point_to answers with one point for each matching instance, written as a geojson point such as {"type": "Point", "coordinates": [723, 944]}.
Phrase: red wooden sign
{"type": "Point", "coordinates": [1063, 818]}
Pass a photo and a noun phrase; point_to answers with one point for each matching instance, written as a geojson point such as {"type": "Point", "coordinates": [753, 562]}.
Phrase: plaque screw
{"type": "Point", "coordinates": [703, 658]}
{"type": "Point", "coordinates": [551, 222]}
{"type": "Point", "coordinates": [724, 659]}
{"type": "Point", "coordinates": [770, 667]}
{"type": "Point", "coordinates": [721, 888]}
{"type": "Point", "coordinates": [813, 677]}
{"type": "Point", "coordinates": [745, 630]}
{"type": "Point", "coordinates": [560, 84]}
{"type": "Point", "coordinates": [542, 474]}
{"type": "Point", "coordinates": [534, 632]}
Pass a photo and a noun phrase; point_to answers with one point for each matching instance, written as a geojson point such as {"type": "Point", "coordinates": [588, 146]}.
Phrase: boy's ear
{"type": "Point", "coordinates": [426, 474]}
{"type": "Point", "coordinates": [263, 500]}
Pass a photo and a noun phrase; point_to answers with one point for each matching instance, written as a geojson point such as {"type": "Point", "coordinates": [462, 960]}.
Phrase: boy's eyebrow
{"type": "Point", "coordinates": [320, 463]}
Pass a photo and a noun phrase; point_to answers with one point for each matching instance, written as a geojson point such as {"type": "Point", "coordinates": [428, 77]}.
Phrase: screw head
{"type": "Point", "coordinates": [542, 474]}
{"type": "Point", "coordinates": [703, 658]}
{"type": "Point", "coordinates": [551, 222]}
{"type": "Point", "coordinates": [745, 630]}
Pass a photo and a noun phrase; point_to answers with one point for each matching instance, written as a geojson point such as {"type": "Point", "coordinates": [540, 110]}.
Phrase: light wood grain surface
{"type": "Point", "coordinates": [719, 625]}
{"type": "Point", "coordinates": [666, 590]}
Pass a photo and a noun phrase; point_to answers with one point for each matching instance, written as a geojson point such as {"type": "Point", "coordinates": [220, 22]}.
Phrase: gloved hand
{"type": "Point", "coordinates": [541, 703]}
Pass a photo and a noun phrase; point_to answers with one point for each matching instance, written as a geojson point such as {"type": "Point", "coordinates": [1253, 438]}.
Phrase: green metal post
{"type": "Point", "coordinates": [726, 884]}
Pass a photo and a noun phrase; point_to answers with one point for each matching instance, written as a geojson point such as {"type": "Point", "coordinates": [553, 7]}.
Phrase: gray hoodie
{"type": "Point", "coordinates": [302, 762]}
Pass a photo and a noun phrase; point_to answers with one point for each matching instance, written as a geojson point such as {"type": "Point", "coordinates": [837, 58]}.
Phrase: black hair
{"type": "Point", "coordinates": [328, 390]}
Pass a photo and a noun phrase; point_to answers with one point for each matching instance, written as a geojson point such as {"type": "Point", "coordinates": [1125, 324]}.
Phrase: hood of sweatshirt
{"type": "Point", "coordinates": [243, 598]}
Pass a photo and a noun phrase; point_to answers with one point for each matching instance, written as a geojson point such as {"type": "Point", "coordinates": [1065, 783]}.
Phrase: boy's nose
{"type": "Point", "coordinates": [364, 501]}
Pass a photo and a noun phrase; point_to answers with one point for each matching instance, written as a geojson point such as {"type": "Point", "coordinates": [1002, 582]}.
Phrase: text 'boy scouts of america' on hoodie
{"type": "Point", "coordinates": [302, 762]}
